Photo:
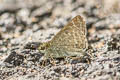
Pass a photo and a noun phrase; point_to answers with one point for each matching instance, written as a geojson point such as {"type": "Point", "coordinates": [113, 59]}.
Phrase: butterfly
{"type": "Point", "coordinates": [69, 41]}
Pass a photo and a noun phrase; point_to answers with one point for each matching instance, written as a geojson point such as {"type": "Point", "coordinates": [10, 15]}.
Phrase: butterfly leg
{"type": "Point", "coordinates": [80, 59]}
{"type": "Point", "coordinates": [52, 60]}
{"type": "Point", "coordinates": [44, 61]}
{"type": "Point", "coordinates": [67, 59]}
{"type": "Point", "coordinates": [89, 52]}
{"type": "Point", "coordinates": [74, 59]}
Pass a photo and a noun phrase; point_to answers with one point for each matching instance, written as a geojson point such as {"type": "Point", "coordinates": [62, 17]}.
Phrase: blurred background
{"type": "Point", "coordinates": [24, 21]}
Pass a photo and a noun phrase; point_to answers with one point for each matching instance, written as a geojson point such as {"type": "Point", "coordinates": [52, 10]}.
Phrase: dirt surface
{"type": "Point", "coordinates": [25, 24]}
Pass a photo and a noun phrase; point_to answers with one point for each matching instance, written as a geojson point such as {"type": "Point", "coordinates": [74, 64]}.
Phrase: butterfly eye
{"type": "Point", "coordinates": [42, 48]}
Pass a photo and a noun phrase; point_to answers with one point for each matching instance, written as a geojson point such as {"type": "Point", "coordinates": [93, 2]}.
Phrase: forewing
{"type": "Point", "coordinates": [72, 37]}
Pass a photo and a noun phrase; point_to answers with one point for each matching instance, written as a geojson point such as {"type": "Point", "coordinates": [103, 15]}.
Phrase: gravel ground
{"type": "Point", "coordinates": [25, 24]}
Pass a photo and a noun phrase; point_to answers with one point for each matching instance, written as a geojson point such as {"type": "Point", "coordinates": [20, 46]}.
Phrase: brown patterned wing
{"type": "Point", "coordinates": [72, 37]}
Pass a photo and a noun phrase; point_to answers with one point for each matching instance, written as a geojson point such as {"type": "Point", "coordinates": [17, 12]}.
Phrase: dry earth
{"type": "Point", "coordinates": [25, 24]}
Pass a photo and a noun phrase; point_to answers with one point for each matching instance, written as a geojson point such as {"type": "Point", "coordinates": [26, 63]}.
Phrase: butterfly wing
{"type": "Point", "coordinates": [72, 37]}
